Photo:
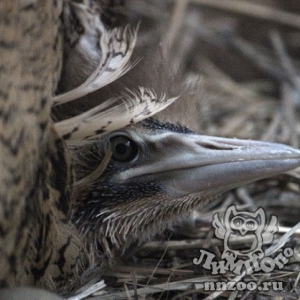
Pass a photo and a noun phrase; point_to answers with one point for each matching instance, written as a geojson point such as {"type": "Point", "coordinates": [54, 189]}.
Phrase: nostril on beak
{"type": "Point", "coordinates": [216, 147]}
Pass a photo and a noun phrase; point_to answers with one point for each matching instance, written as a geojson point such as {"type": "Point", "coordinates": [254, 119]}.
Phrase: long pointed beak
{"type": "Point", "coordinates": [188, 163]}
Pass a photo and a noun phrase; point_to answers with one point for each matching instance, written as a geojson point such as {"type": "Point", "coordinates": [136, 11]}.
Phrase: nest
{"type": "Point", "coordinates": [246, 56]}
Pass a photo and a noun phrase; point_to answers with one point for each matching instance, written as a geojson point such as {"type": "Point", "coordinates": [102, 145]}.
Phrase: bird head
{"type": "Point", "coordinates": [156, 172]}
{"type": "Point", "coordinates": [136, 175]}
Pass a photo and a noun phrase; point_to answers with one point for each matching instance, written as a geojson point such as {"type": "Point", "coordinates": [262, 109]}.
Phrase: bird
{"type": "Point", "coordinates": [135, 177]}
{"type": "Point", "coordinates": [108, 176]}
{"type": "Point", "coordinates": [137, 181]}
{"type": "Point", "coordinates": [39, 244]}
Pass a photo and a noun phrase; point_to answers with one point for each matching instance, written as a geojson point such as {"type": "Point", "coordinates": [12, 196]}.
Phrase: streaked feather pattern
{"type": "Point", "coordinates": [116, 47]}
{"type": "Point", "coordinates": [113, 114]}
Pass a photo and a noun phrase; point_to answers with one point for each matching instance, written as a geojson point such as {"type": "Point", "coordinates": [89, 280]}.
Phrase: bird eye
{"type": "Point", "coordinates": [123, 149]}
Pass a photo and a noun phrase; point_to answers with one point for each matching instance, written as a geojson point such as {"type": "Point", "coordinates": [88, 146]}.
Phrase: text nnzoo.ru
{"type": "Point", "coordinates": [242, 286]}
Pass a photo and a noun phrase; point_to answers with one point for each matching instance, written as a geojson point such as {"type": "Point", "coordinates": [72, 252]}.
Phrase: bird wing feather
{"type": "Point", "coordinates": [116, 46]}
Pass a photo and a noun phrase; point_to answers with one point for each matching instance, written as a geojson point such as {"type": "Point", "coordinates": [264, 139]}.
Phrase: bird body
{"type": "Point", "coordinates": [37, 241]}
{"type": "Point", "coordinates": [134, 174]}
{"type": "Point", "coordinates": [38, 244]}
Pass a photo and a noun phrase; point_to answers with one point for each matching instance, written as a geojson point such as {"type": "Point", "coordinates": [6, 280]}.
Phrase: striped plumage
{"type": "Point", "coordinates": [38, 243]}
{"type": "Point", "coordinates": [54, 52]}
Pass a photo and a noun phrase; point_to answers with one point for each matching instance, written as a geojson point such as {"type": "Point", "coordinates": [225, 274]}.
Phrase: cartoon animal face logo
{"type": "Point", "coordinates": [244, 225]}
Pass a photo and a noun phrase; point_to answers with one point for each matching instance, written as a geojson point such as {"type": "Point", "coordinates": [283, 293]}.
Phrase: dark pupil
{"type": "Point", "coordinates": [123, 149]}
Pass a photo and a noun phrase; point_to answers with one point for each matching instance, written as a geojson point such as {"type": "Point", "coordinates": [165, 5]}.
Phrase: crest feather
{"type": "Point", "coordinates": [116, 46]}
{"type": "Point", "coordinates": [113, 114]}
